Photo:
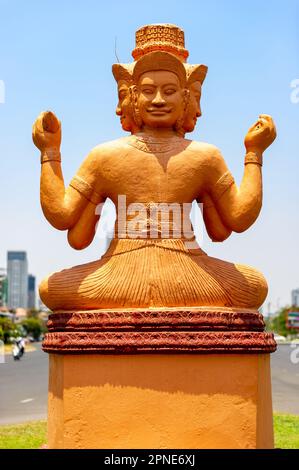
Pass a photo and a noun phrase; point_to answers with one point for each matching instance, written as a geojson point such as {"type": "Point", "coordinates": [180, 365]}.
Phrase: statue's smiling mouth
{"type": "Point", "coordinates": [158, 112]}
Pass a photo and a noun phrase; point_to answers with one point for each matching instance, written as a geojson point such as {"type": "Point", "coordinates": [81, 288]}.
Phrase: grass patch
{"type": "Point", "coordinates": [286, 431]}
{"type": "Point", "coordinates": [32, 435]}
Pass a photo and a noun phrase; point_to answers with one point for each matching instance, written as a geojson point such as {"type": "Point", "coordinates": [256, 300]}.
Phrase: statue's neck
{"type": "Point", "coordinates": [158, 133]}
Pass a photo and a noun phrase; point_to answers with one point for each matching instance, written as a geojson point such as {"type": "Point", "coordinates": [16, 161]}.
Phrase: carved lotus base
{"type": "Point", "coordinates": [132, 331]}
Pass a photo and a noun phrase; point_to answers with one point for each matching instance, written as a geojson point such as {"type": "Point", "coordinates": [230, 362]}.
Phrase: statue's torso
{"type": "Point", "coordinates": [157, 173]}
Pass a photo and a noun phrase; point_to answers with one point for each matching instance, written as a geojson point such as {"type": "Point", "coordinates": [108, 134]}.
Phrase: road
{"type": "Point", "coordinates": [23, 385]}
{"type": "Point", "coordinates": [285, 379]}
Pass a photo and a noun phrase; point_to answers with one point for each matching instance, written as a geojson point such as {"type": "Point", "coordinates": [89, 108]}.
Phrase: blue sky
{"type": "Point", "coordinates": [58, 54]}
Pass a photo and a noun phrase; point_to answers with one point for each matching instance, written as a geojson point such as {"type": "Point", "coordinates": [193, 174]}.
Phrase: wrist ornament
{"type": "Point", "coordinates": [252, 157]}
{"type": "Point", "coordinates": [50, 155]}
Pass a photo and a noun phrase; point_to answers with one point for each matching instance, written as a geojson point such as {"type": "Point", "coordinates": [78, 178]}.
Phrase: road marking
{"type": "Point", "coordinates": [27, 400]}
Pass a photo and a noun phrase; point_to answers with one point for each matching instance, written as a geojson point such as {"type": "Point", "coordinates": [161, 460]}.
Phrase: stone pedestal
{"type": "Point", "coordinates": [159, 379]}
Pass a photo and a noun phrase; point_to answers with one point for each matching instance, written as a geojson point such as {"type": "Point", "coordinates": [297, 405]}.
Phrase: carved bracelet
{"type": "Point", "coordinates": [50, 155]}
{"type": "Point", "coordinates": [252, 157]}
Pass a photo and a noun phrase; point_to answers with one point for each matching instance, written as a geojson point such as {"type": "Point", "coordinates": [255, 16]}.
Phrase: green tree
{"type": "Point", "coordinates": [32, 313]}
{"type": "Point", "coordinates": [278, 324]}
{"type": "Point", "coordinates": [9, 329]}
{"type": "Point", "coordinates": [33, 326]}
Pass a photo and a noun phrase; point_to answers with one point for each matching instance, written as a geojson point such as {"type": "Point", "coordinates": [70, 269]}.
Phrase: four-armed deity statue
{"type": "Point", "coordinates": [154, 291]}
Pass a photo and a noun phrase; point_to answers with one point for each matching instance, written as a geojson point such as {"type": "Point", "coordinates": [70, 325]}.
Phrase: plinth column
{"type": "Point", "coordinates": [192, 378]}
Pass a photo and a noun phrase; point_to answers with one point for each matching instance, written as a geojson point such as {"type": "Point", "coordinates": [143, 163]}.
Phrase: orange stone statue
{"type": "Point", "coordinates": [158, 103]}
{"type": "Point", "coordinates": [154, 279]}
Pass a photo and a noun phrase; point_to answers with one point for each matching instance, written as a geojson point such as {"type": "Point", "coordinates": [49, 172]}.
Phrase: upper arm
{"type": "Point", "coordinates": [218, 177]}
{"type": "Point", "coordinates": [85, 182]}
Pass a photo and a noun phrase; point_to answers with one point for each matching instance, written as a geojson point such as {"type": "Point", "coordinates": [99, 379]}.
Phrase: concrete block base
{"type": "Point", "coordinates": [160, 401]}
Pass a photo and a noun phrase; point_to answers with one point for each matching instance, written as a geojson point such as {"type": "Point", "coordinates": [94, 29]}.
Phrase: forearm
{"type": "Point", "coordinates": [61, 206]}
{"type": "Point", "coordinates": [217, 231]}
{"type": "Point", "coordinates": [239, 207]}
{"type": "Point", "coordinates": [82, 233]}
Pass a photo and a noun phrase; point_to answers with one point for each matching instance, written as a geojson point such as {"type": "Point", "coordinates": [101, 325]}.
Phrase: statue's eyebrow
{"type": "Point", "coordinates": [148, 84]}
{"type": "Point", "coordinates": [171, 84]}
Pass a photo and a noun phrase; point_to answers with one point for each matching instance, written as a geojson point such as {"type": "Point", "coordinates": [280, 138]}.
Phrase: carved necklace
{"type": "Point", "coordinates": [150, 144]}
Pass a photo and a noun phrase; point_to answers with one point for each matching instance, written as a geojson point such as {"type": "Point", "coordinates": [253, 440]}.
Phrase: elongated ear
{"type": "Point", "coordinates": [135, 111]}
{"type": "Point", "coordinates": [196, 73]}
{"type": "Point", "coordinates": [122, 72]}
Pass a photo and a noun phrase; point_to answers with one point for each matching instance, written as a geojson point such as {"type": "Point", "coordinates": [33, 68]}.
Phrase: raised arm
{"type": "Point", "coordinates": [239, 207]}
{"type": "Point", "coordinates": [62, 206]}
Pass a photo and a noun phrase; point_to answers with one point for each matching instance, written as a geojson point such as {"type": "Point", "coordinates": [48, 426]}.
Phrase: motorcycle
{"type": "Point", "coordinates": [18, 350]}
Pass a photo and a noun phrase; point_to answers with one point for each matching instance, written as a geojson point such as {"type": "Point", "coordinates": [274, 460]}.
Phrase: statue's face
{"type": "Point", "coordinates": [123, 108]}
{"type": "Point", "coordinates": [160, 99]}
{"type": "Point", "coordinates": [193, 110]}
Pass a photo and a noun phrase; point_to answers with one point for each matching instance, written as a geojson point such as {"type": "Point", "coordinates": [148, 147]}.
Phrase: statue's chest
{"type": "Point", "coordinates": [147, 176]}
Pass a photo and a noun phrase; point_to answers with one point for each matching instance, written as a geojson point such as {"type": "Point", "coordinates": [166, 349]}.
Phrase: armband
{"type": "Point", "coordinates": [85, 189]}
{"type": "Point", "coordinates": [224, 182]}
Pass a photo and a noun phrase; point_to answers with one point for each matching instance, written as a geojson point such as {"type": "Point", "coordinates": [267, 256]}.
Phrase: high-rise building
{"type": "Point", "coordinates": [295, 297]}
{"type": "Point", "coordinates": [17, 276]}
{"type": "Point", "coordinates": [31, 291]}
{"type": "Point", "coordinates": [3, 287]}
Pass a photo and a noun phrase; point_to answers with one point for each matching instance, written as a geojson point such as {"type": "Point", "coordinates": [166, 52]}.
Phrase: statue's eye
{"type": "Point", "coordinates": [148, 91]}
{"type": "Point", "coordinates": [169, 91]}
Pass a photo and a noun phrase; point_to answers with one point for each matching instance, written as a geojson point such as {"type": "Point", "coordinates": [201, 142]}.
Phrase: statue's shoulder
{"type": "Point", "coordinates": [109, 149]}
{"type": "Point", "coordinates": [203, 149]}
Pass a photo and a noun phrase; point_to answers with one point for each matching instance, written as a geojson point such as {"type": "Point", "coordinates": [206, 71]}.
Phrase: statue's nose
{"type": "Point", "coordinates": [158, 100]}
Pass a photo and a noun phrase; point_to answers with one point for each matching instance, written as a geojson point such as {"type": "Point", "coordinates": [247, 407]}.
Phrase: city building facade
{"type": "Point", "coordinates": [17, 277]}
{"type": "Point", "coordinates": [295, 297]}
{"type": "Point", "coordinates": [31, 291]}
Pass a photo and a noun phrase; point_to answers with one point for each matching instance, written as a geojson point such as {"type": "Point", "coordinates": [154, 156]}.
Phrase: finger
{"type": "Point", "coordinates": [266, 116]}
{"type": "Point", "coordinates": [273, 132]}
{"type": "Point", "coordinates": [268, 119]}
{"type": "Point", "coordinates": [259, 126]}
{"type": "Point", "coordinates": [38, 125]}
{"type": "Point", "coordinates": [273, 128]}
{"type": "Point", "coordinates": [50, 122]}
{"type": "Point", "coordinates": [264, 123]}
{"type": "Point", "coordinates": [253, 127]}
{"type": "Point", "coordinates": [35, 137]}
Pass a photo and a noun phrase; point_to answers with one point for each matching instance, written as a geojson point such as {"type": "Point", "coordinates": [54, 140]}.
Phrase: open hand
{"type": "Point", "coordinates": [260, 135]}
{"type": "Point", "coordinates": [46, 131]}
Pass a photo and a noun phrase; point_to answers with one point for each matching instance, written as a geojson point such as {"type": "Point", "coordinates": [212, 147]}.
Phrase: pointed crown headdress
{"type": "Point", "coordinates": [167, 39]}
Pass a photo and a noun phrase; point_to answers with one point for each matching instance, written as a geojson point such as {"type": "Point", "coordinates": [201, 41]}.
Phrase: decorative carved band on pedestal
{"type": "Point", "coordinates": [194, 330]}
